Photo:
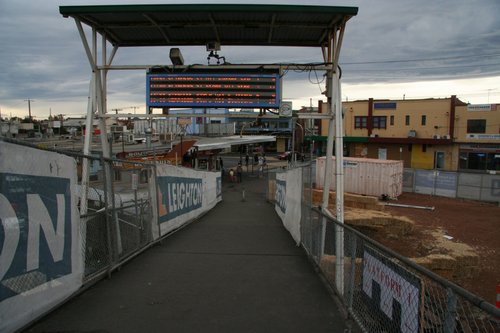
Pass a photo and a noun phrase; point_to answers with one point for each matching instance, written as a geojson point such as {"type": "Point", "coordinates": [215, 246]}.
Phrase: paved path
{"type": "Point", "coordinates": [234, 270]}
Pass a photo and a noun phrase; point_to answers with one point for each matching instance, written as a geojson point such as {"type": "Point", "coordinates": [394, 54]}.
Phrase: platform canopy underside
{"type": "Point", "coordinates": [199, 24]}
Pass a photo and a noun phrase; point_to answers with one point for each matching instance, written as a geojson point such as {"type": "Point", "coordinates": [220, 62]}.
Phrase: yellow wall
{"type": "Point", "coordinates": [323, 108]}
{"type": "Point", "coordinates": [352, 109]}
{"type": "Point", "coordinates": [425, 160]}
{"type": "Point", "coordinates": [437, 112]}
{"type": "Point", "coordinates": [492, 123]}
{"type": "Point", "coordinates": [420, 159]}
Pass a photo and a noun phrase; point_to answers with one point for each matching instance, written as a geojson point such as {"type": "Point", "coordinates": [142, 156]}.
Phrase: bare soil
{"type": "Point", "coordinates": [474, 223]}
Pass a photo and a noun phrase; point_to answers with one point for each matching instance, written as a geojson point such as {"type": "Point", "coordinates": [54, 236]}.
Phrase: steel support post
{"type": "Point", "coordinates": [335, 129]}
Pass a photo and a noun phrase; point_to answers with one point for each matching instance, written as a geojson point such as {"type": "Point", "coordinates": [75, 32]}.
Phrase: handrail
{"type": "Point", "coordinates": [474, 299]}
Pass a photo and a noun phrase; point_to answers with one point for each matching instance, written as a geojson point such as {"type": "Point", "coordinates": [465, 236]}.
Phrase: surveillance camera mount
{"type": "Point", "coordinates": [213, 54]}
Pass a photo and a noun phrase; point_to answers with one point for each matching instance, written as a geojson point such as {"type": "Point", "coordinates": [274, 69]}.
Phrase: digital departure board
{"type": "Point", "coordinates": [225, 90]}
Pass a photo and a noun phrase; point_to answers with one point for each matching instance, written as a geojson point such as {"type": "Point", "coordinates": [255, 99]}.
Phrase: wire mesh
{"type": "Point", "coordinates": [383, 291]}
{"type": "Point", "coordinates": [119, 212]}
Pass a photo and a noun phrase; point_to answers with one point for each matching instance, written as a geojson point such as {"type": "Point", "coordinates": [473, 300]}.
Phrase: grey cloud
{"type": "Point", "coordinates": [42, 56]}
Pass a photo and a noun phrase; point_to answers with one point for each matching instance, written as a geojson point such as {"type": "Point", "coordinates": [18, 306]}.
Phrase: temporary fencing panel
{"type": "Point", "coordinates": [473, 186]}
{"type": "Point", "coordinates": [436, 183]}
{"type": "Point", "coordinates": [40, 262]}
{"type": "Point", "coordinates": [184, 194]}
{"type": "Point", "coordinates": [43, 238]}
{"type": "Point", "coordinates": [120, 217]}
{"type": "Point", "coordinates": [386, 292]}
{"type": "Point", "coordinates": [288, 200]}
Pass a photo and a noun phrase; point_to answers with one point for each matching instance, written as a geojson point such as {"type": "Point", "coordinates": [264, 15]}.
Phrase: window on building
{"type": "Point", "coordinates": [424, 120]}
{"type": "Point", "coordinates": [392, 120]}
{"type": "Point", "coordinates": [380, 122]}
{"type": "Point", "coordinates": [424, 148]}
{"type": "Point", "coordinates": [407, 120]}
{"type": "Point", "coordinates": [476, 126]}
{"type": "Point", "coordinates": [479, 161]}
{"type": "Point", "coordinates": [360, 122]}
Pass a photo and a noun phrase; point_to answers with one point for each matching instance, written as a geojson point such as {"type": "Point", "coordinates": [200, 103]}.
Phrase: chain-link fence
{"type": "Point", "coordinates": [118, 219]}
{"type": "Point", "coordinates": [382, 290]}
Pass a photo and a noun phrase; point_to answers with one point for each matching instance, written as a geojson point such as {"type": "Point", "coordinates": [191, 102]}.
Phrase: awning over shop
{"type": "Point", "coordinates": [228, 141]}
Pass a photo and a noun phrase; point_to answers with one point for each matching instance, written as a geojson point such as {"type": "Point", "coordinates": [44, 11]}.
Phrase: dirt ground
{"type": "Point", "coordinates": [471, 222]}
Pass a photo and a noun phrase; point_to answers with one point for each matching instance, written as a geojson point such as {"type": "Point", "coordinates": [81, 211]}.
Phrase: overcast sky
{"type": "Point", "coordinates": [392, 48]}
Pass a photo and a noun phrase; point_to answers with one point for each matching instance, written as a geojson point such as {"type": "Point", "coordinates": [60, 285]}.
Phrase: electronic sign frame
{"type": "Point", "coordinates": [235, 89]}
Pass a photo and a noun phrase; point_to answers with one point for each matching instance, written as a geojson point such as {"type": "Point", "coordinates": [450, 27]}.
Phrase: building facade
{"type": "Point", "coordinates": [441, 134]}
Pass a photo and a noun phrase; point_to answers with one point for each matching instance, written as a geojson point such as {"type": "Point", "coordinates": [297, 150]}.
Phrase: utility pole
{"type": "Point", "coordinates": [29, 106]}
{"type": "Point", "coordinates": [61, 118]}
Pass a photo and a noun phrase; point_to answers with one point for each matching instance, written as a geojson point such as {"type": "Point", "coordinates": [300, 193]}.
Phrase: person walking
{"type": "Point", "coordinates": [239, 172]}
{"type": "Point", "coordinates": [221, 165]}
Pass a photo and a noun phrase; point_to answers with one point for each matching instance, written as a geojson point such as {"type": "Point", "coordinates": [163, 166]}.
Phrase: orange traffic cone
{"type": "Point", "coordinates": [498, 297]}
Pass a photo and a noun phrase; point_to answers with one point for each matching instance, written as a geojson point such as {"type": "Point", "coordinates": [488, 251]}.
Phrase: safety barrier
{"type": "Point", "coordinates": [380, 289]}
{"type": "Point", "coordinates": [59, 234]}
{"type": "Point", "coordinates": [464, 185]}
{"type": "Point", "coordinates": [385, 292]}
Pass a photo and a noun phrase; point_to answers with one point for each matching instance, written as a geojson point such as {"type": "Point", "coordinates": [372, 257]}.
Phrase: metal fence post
{"type": "Point", "coordinates": [353, 271]}
{"type": "Point", "coordinates": [116, 221]}
{"type": "Point", "coordinates": [106, 216]}
{"type": "Point", "coordinates": [451, 312]}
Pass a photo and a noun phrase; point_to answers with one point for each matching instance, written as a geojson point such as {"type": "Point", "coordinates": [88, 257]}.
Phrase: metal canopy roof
{"type": "Point", "coordinates": [198, 24]}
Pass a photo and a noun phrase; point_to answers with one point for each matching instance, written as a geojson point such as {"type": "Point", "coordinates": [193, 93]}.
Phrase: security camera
{"type": "Point", "coordinates": [213, 46]}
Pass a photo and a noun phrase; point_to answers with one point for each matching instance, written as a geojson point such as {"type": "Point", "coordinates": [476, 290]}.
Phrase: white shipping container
{"type": "Point", "coordinates": [365, 176]}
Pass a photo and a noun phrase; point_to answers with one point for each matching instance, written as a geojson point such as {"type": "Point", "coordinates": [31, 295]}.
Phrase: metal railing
{"type": "Point", "coordinates": [384, 291]}
{"type": "Point", "coordinates": [120, 216]}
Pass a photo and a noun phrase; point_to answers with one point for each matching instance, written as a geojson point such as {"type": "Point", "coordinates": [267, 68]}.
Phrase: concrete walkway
{"type": "Point", "coordinates": [234, 270]}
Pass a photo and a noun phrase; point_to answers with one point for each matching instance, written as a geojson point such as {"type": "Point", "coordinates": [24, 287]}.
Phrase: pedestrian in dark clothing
{"type": "Point", "coordinates": [239, 172]}
{"type": "Point", "coordinates": [246, 160]}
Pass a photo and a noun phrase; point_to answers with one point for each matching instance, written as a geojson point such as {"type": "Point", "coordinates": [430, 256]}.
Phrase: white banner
{"type": "Point", "coordinates": [184, 194]}
{"type": "Point", "coordinates": [288, 199]}
{"type": "Point", "coordinates": [41, 256]}
{"type": "Point", "coordinates": [395, 284]}
{"type": "Point", "coordinates": [481, 107]}
{"type": "Point", "coordinates": [483, 136]}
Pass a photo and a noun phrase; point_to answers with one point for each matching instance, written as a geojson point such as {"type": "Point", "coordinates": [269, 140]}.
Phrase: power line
{"type": "Point", "coordinates": [421, 59]}
{"type": "Point", "coordinates": [422, 68]}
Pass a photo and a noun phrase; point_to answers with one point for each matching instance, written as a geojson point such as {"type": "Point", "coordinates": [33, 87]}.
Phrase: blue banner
{"type": "Point", "coordinates": [385, 106]}
{"type": "Point", "coordinates": [178, 196]}
{"type": "Point", "coordinates": [35, 234]}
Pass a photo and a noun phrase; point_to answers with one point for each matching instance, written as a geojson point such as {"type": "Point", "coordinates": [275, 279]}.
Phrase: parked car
{"type": "Point", "coordinates": [287, 155]}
